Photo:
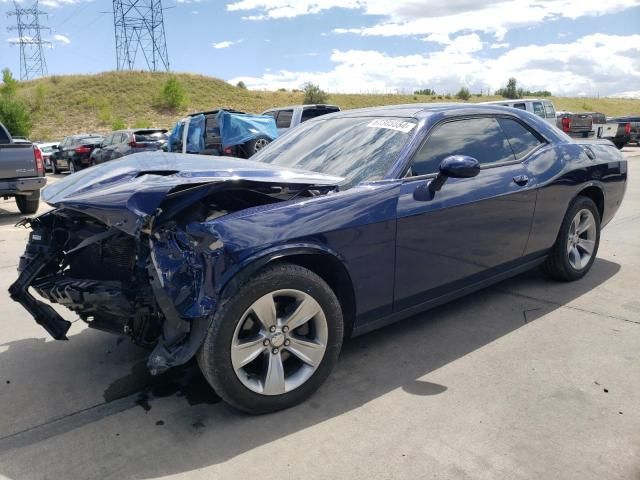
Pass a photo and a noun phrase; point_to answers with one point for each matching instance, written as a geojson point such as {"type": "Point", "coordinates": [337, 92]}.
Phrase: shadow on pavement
{"type": "Point", "coordinates": [396, 357]}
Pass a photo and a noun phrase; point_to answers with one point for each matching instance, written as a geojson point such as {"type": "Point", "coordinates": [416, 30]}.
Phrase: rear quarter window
{"type": "Point", "coordinates": [520, 106]}
{"type": "Point", "coordinates": [522, 140]}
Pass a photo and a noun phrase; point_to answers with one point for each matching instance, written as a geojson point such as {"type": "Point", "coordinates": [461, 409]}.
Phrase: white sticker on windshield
{"type": "Point", "coordinates": [390, 124]}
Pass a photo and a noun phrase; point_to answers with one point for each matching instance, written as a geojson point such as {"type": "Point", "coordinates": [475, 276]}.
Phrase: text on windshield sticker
{"type": "Point", "coordinates": [398, 125]}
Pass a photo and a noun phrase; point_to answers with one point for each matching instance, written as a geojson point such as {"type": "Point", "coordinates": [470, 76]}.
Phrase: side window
{"type": "Point", "coordinates": [284, 118]}
{"type": "Point", "coordinates": [522, 141]}
{"type": "Point", "coordinates": [107, 141]}
{"type": "Point", "coordinates": [480, 138]}
{"type": "Point", "coordinates": [521, 106]}
{"type": "Point", "coordinates": [273, 114]}
{"type": "Point", "coordinates": [309, 113]}
{"type": "Point", "coordinates": [549, 110]}
{"type": "Point", "coordinates": [538, 109]}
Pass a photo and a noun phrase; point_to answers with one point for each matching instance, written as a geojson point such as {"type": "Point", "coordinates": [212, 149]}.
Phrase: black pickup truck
{"type": "Point", "coordinates": [21, 172]}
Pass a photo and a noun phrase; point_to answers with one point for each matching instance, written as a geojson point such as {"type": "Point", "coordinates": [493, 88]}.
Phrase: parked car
{"type": "Point", "coordinates": [260, 268]}
{"type": "Point", "coordinates": [602, 128]}
{"type": "Point", "coordinates": [223, 132]}
{"type": "Point", "coordinates": [628, 130]}
{"type": "Point", "coordinates": [47, 150]}
{"type": "Point", "coordinates": [125, 142]}
{"type": "Point", "coordinates": [575, 124]}
{"type": "Point", "coordinates": [21, 172]}
{"type": "Point", "coordinates": [289, 117]}
{"type": "Point", "coordinates": [74, 152]}
{"type": "Point", "coordinates": [541, 107]}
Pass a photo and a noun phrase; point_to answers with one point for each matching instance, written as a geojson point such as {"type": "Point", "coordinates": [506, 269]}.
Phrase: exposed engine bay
{"type": "Point", "coordinates": [155, 284]}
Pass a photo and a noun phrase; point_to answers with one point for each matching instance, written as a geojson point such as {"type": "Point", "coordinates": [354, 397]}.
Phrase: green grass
{"type": "Point", "coordinates": [63, 105]}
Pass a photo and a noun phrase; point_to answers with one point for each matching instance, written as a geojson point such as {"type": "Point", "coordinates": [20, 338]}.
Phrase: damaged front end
{"type": "Point", "coordinates": [147, 265]}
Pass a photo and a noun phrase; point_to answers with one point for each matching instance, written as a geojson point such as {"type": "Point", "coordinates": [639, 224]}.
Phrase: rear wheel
{"type": "Point", "coordinates": [576, 247]}
{"type": "Point", "coordinates": [72, 166]}
{"type": "Point", "coordinates": [54, 167]}
{"type": "Point", "coordinates": [273, 344]}
{"type": "Point", "coordinates": [619, 145]}
{"type": "Point", "coordinates": [254, 146]}
{"type": "Point", "coordinates": [28, 203]}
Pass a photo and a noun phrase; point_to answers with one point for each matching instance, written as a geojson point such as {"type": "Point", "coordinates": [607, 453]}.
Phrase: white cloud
{"type": "Point", "coordinates": [500, 45]}
{"type": "Point", "coordinates": [225, 44]}
{"type": "Point", "coordinates": [594, 64]}
{"type": "Point", "coordinates": [629, 94]}
{"type": "Point", "coordinates": [436, 19]}
{"type": "Point", "coordinates": [48, 3]}
{"type": "Point", "coordinates": [63, 39]}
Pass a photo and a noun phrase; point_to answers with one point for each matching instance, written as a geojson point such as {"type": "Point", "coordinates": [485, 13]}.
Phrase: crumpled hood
{"type": "Point", "coordinates": [123, 192]}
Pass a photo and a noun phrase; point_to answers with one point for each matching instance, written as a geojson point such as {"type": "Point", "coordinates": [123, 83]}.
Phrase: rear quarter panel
{"type": "Point", "coordinates": [562, 172]}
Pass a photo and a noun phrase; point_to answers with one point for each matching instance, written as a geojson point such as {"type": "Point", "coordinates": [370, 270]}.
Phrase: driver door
{"type": "Point", "coordinates": [472, 228]}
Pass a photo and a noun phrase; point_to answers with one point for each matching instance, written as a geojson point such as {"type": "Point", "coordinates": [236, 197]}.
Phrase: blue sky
{"type": "Point", "coordinates": [573, 47]}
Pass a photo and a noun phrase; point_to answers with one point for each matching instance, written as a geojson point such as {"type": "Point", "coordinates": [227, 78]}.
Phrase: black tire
{"type": "Point", "coordinates": [619, 145]}
{"type": "Point", "coordinates": [557, 265]}
{"type": "Point", "coordinates": [254, 146]}
{"type": "Point", "coordinates": [72, 167]}
{"type": "Point", "coordinates": [214, 356]}
{"type": "Point", "coordinates": [54, 167]}
{"type": "Point", "coordinates": [28, 203]}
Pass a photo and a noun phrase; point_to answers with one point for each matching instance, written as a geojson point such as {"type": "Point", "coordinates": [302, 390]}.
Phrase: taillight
{"type": "Point", "coordinates": [228, 151]}
{"type": "Point", "coordinates": [133, 143]}
{"type": "Point", "coordinates": [37, 155]}
{"type": "Point", "coordinates": [83, 150]}
{"type": "Point", "coordinates": [627, 129]}
{"type": "Point", "coordinates": [566, 124]}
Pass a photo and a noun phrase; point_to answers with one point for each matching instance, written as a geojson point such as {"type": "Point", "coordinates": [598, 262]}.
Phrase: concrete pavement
{"type": "Point", "coordinates": [527, 379]}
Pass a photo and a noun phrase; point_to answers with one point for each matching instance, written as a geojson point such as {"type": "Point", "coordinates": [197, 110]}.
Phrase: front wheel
{"type": "Point", "coordinates": [72, 166]}
{"type": "Point", "coordinates": [273, 343]}
{"type": "Point", "coordinates": [619, 145]}
{"type": "Point", "coordinates": [576, 247]}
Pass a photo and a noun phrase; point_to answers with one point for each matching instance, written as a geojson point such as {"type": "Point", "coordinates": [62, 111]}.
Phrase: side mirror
{"type": "Point", "coordinates": [455, 166]}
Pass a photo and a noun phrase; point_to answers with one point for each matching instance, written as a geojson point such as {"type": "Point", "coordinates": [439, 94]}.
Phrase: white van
{"type": "Point", "coordinates": [541, 107]}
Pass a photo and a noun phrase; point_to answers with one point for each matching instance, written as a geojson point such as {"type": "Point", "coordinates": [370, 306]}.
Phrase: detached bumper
{"type": "Point", "coordinates": [43, 314]}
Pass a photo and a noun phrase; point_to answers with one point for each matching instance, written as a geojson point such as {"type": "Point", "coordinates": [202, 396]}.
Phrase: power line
{"type": "Point", "coordinates": [32, 60]}
{"type": "Point", "coordinates": [140, 38]}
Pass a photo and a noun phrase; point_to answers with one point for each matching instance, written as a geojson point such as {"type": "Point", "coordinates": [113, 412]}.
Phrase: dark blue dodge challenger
{"type": "Point", "coordinates": [352, 221]}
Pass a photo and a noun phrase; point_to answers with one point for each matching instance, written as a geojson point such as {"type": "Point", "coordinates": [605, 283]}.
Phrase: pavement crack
{"type": "Point", "coordinates": [64, 424]}
{"type": "Point", "coordinates": [560, 305]}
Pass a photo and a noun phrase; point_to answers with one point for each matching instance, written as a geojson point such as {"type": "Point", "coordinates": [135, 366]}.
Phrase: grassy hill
{"type": "Point", "coordinates": [63, 105]}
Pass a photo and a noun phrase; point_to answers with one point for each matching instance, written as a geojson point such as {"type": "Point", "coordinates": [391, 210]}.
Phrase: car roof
{"type": "Point", "coordinates": [212, 112]}
{"type": "Point", "coordinates": [420, 110]}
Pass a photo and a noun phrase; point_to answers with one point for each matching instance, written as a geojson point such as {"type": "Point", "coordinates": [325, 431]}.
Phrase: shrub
{"type": "Point", "coordinates": [511, 90]}
{"type": "Point", "coordinates": [15, 116]}
{"type": "Point", "coordinates": [463, 94]}
{"type": "Point", "coordinates": [104, 114]}
{"type": "Point", "coordinates": [282, 89]}
{"type": "Point", "coordinates": [313, 94]}
{"type": "Point", "coordinates": [39, 101]}
{"type": "Point", "coordinates": [172, 94]}
{"type": "Point", "coordinates": [241, 85]}
{"type": "Point", "coordinates": [9, 84]}
{"type": "Point", "coordinates": [424, 91]}
{"type": "Point", "coordinates": [447, 96]}
{"type": "Point", "coordinates": [118, 124]}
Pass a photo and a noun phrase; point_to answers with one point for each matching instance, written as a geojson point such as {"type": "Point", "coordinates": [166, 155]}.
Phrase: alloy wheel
{"type": "Point", "coordinates": [582, 239]}
{"type": "Point", "coordinates": [279, 342]}
{"type": "Point", "coordinates": [260, 144]}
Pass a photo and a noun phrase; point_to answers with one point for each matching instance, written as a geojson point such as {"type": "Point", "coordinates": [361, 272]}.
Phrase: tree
{"type": "Point", "coordinates": [241, 85]}
{"type": "Point", "coordinates": [9, 84]}
{"type": "Point", "coordinates": [463, 94]}
{"type": "Point", "coordinates": [15, 116]}
{"type": "Point", "coordinates": [511, 90]}
{"type": "Point", "coordinates": [424, 91]}
{"type": "Point", "coordinates": [172, 94]}
{"type": "Point", "coordinates": [313, 94]}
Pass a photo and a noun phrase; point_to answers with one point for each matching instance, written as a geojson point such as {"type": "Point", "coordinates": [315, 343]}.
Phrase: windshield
{"type": "Point", "coordinates": [359, 149]}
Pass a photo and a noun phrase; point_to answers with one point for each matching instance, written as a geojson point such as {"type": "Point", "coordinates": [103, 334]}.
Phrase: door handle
{"type": "Point", "coordinates": [521, 180]}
